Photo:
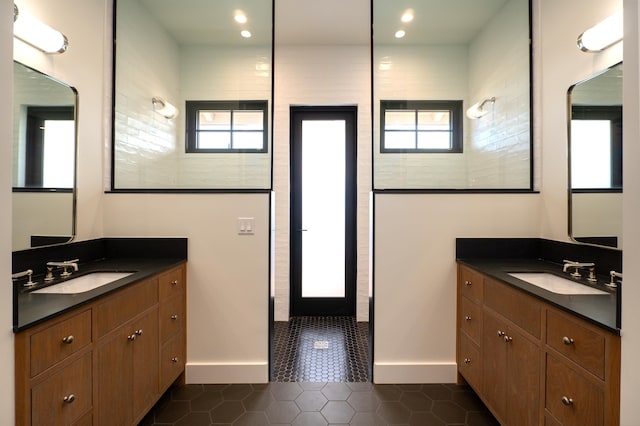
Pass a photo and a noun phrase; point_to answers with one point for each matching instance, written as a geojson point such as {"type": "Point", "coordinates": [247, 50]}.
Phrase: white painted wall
{"type": "Point", "coordinates": [415, 274]}
{"type": "Point", "coordinates": [28, 220]}
{"type": "Point", "coordinates": [630, 379]}
{"type": "Point", "coordinates": [321, 75]}
{"type": "Point", "coordinates": [7, 403]}
{"type": "Point", "coordinates": [227, 275]}
{"type": "Point", "coordinates": [597, 215]}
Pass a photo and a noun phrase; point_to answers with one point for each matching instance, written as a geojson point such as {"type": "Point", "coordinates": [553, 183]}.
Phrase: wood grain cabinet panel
{"type": "Point", "coordinates": [538, 364]}
{"type": "Point", "coordinates": [571, 398]}
{"type": "Point", "coordinates": [65, 396]}
{"type": "Point", "coordinates": [59, 340]}
{"type": "Point", "coordinates": [115, 366]}
{"type": "Point", "coordinates": [470, 284]}
{"type": "Point", "coordinates": [581, 344]}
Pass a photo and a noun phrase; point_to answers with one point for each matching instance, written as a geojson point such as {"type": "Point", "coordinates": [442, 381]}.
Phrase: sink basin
{"type": "Point", "coordinates": [555, 284]}
{"type": "Point", "coordinates": [84, 283]}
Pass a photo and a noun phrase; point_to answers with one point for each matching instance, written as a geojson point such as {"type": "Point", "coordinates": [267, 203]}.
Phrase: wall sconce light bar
{"type": "Point", "coordinates": [477, 110]}
{"type": "Point", "coordinates": [164, 108]}
{"type": "Point", "coordinates": [602, 35]}
{"type": "Point", "coordinates": [37, 34]}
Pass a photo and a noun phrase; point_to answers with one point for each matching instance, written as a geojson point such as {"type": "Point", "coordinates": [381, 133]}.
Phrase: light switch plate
{"type": "Point", "coordinates": [246, 225]}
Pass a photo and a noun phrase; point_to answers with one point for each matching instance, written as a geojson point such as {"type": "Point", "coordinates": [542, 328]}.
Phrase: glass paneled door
{"type": "Point", "coordinates": [323, 208]}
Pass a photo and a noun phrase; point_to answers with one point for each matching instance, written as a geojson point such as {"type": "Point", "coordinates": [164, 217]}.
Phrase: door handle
{"type": "Point", "coordinates": [301, 230]}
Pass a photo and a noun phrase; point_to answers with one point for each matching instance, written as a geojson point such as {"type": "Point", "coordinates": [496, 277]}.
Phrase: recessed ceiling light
{"type": "Point", "coordinates": [400, 34]}
{"type": "Point", "coordinates": [407, 16]}
{"type": "Point", "coordinates": [245, 33]}
{"type": "Point", "coordinates": [240, 17]}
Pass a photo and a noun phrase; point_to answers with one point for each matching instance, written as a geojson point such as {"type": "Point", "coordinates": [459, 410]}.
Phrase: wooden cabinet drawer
{"type": "Point", "coordinates": [49, 406]}
{"type": "Point", "coordinates": [469, 362]}
{"type": "Point", "coordinates": [521, 309]}
{"type": "Point", "coordinates": [471, 319]}
{"type": "Point", "coordinates": [172, 283]}
{"type": "Point", "coordinates": [570, 397]}
{"type": "Point", "coordinates": [125, 304]}
{"type": "Point", "coordinates": [172, 317]}
{"type": "Point", "coordinates": [172, 360]}
{"type": "Point", "coordinates": [470, 284]}
{"type": "Point", "coordinates": [58, 341]}
{"type": "Point", "coordinates": [577, 341]}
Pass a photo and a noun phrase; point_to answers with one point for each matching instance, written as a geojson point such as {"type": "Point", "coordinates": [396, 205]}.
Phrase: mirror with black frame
{"type": "Point", "coordinates": [595, 159]}
{"type": "Point", "coordinates": [44, 159]}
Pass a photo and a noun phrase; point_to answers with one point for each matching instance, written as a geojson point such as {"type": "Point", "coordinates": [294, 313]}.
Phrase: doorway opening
{"type": "Point", "coordinates": [322, 341]}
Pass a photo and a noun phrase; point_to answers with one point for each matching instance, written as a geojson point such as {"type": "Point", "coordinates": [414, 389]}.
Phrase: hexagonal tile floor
{"type": "Point", "coordinates": [321, 349]}
{"type": "Point", "coordinates": [314, 403]}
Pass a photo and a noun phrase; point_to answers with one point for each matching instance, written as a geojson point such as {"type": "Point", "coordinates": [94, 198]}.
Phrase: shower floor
{"type": "Point", "coordinates": [321, 349]}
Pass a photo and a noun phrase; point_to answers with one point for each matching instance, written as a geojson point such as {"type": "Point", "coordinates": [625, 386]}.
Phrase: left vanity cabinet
{"type": "Point", "coordinates": [103, 362]}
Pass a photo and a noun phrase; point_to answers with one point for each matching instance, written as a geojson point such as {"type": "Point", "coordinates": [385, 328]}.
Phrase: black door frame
{"type": "Point", "coordinates": [323, 306]}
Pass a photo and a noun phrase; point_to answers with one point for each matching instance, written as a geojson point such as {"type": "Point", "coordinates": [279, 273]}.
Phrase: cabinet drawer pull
{"type": "Point", "coordinates": [567, 401]}
{"type": "Point", "coordinates": [501, 333]}
{"type": "Point", "coordinates": [508, 339]}
{"type": "Point", "coordinates": [132, 337]}
{"type": "Point", "coordinates": [69, 398]}
{"type": "Point", "coordinates": [467, 318]}
{"type": "Point", "coordinates": [139, 332]}
{"type": "Point", "coordinates": [467, 361]}
{"type": "Point", "coordinates": [468, 283]}
{"type": "Point", "coordinates": [68, 340]}
{"type": "Point", "coordinates": [174, 359]}
{"type": "Point", "coordinates": [174, 282]}
{"type": "Point", "coordinates": [567, 340]}
{"type": "Point", "coordinates": [174, 317]}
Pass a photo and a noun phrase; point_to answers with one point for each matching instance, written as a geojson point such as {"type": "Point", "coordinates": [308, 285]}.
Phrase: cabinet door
{"type": "Point", "coordinates": [523, 384]}
{"type": "Point", "coordinates": [494, 363]}
{"type": "Point", "coordinates": [145, 362]}
{"type": "Point", "coordinates": [114, 372]}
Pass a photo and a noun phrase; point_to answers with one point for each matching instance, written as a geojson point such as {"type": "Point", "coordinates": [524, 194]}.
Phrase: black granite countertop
{"type": "Point", "coordinates": [601, 310]}
{"type": "Point", "coordinates": [143, 257]}
{"type": "Point", "coordinates": [34, 308]}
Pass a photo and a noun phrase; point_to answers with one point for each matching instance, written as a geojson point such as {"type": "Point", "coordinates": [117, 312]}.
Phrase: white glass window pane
{"type": "Point", "coordinates": [59, 154]}
{"type": "Point", "coordinates": [214, 120]}
{"type": "Point", "coordinates": [214, 140]}
{"type": "Point", "coordinates": [323, 208]}
{"type": "Point", "coordinates": [590, 154]}
{"type": "Point", "coordinates": [399, 120]}
{"type": "Point", "coordinates": [247, 120]}
{"type": "Point", "coordinates": [399, 140]}
{"type": "Point", "coordinates": [434, 120]}
{"type": "Point", "coordinates": [248, 140]}
{"type": "Point", "coordinates": [434, 140]}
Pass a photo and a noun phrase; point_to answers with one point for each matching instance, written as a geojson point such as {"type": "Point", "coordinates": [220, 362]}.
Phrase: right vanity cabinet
{"type": "Point", "coordinates": [532, 363]}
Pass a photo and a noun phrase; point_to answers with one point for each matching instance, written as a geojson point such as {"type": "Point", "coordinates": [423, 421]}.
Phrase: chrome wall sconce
{"type": "Point", "coordinates": [602, 35]}
{"type": "Point", "coordinates": [164, 108]}
{"type": "Point", "coordinates": [478, 110]}
{"type": "Point", "coordinates": [38, 34]}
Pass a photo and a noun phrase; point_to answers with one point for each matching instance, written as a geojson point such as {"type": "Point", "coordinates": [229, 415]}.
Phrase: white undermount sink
{"type": "Point", "coordinates": [556, 284]}
{"type": "Point", "coordinates": [84, 283]}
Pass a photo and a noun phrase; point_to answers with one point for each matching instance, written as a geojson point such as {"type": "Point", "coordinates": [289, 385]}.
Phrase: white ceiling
{"type": "Point", "coordinates": [323, 22]}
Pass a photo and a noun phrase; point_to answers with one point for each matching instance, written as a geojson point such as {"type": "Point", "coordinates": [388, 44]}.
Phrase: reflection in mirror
{"type": "Point", "coordinates": [211, 60]}
{"type": "Point", "coordinates": [435, 60]}
{"type": "Point", "coordinates": [44, 158]}
{"type": "Point", "coordinates": [595, 159]}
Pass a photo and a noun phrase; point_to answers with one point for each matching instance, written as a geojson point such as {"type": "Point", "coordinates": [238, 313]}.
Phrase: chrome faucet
{"type": "Point", "coordinates": [614, 275]}
{"type": "Point", "coordinates": [27, 273]}
{"type": "Point", "coordinates": [577, 265]}
{"type": "Point", "coordinates": [64, 265]}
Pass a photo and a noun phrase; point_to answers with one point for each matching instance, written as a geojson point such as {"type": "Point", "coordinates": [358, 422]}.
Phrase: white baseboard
{"type": "Point", "coordinates": [200, 373]}
{"type": "Point", "coordinates": [400, 373]}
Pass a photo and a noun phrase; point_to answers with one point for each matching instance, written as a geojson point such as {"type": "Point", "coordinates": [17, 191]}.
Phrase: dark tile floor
{"type": "Point", "coordinates": [321, 349]}
{"type": "Point", "coordinates": [310, 404]}
{"type": "Point", "coordinates": [328, 357]}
